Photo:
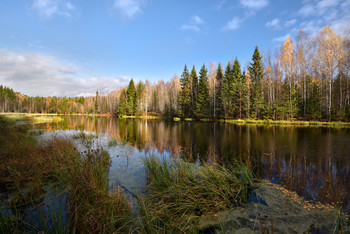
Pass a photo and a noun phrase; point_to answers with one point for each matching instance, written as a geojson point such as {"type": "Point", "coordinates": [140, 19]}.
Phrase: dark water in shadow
{"type": "Point", "coordinates": [313, 161]}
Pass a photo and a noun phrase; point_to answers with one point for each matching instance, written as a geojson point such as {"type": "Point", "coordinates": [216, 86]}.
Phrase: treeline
{"type": "Point", "coordinates": [11, 101]}
{"type": "Point", "coordinates": [307, 78]}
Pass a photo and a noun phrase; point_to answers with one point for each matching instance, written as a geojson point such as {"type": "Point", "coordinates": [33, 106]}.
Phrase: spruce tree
{"type": "Point", "coordinates": [122, 104]}
{"type": "Point", "coordinates": [139, 98]}
{"type": "Point", "coordinates": [203, 94]}
{"type": "Point", "coordinates": [226, 92]}
{"type": "Point", "coordinates": [96, 103]}
{"type": "Point", "coordinates": [185, 94]}
{"type": "Point", "coordinates": [131, 98]}
{"type": "Point", "coordinates": [219, 88]}
{"type": "Point", "coordinates": [194, 87]}
{"type": "Point", "coordinates": [256, 73]}
{"type": "Point", "coordinates": [239, 90]}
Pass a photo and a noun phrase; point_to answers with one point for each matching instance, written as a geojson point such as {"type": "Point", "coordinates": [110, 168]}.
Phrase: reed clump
{"type": "Point", "coordinates": [91, 206]}
{"type": "Point", "coordinates": [26, 167]}
{"type": "Point", "coordinates": [180, 192]}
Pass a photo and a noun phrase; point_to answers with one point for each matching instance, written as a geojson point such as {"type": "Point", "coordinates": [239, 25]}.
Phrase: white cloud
{"type": "Point", "coordinates": [190, 27]}
{"type": "Point", "coordinates": [307, 10]}
{"type": "Point", "coordinates": [233, 24]}
{"type": "Point", "coordinates": [318, 8]}
{"type": "Point", "coordinates": [129, 8]}
{"type": "Point", "coordinates": [219, 4]}
{"type": "Point", "coordinates": [254, 4]}
{"type": "Point", "coordinates": [317, 14]}
{"type": "Point", "coordinates": [50, 8]}
{"type": "Point", "coordinates": [189, 40]}
{"type": "Point", "coordinates": [281, 38]}
{"type": "Point", "coordinates": [275, 23]}
{"type": "Point", "coordinates": [196, 21]}
{"type": "Point", "coordinates": [36, 74]}
{"type": "Point", "coordinates": [342, 25]}
{"type": "Point", "coordinates": [289, 23]}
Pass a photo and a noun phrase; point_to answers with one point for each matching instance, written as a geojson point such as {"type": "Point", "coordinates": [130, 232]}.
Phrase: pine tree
{"type": "Point", "coordinates": [185, 94]}
{"type": "Point", "coordinates": [256, 74]}
{"type": "Point", "coordinates": [219, 89]}
{"type": "Point", "coordinates": [131, 98]}
{"type": "Point", "coordinates": [203, 94]}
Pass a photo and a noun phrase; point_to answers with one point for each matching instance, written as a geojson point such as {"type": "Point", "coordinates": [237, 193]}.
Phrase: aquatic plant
{"type": "Point", "coordinates": [26, 167]}
{"type": "Point", "coordinates": [179, 192]}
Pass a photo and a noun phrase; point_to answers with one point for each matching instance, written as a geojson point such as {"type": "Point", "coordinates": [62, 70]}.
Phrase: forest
{"type": "Point", "coordinates": [305, 79]}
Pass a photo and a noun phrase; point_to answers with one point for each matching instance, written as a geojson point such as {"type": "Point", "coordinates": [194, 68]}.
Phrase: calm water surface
{"type": "Point", "coordinates": [313, 161]}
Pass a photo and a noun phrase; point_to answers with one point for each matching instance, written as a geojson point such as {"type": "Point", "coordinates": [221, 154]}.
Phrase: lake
{"type": "Point", "coordinates": [313, 161]}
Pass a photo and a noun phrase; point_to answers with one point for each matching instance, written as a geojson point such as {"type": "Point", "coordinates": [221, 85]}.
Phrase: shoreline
{"type": "Point", "coordinates": [269, 122]}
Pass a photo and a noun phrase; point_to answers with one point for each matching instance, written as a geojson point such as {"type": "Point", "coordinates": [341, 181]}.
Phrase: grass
{"type": "Point", "coordinates": [26, 167]}
{"type": "Point", "coordinates": [112, 142]}
{"type": "Point", "coordinates": [286, 122]}
{"type": "Point", "coordinates": [142, 117]}
{"type": "Point", "coordinates": [33, 118]}
{"type": "Point", "coordinates": [9, 223]}
{"type": "Point", "coordinates": [180, 192]}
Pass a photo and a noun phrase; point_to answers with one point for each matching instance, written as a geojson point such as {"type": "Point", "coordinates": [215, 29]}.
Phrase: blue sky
{"type": "Point", "coordinates": [75, 47]}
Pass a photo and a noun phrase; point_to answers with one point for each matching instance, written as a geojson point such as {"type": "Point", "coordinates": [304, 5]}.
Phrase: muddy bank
{"type": "Point", "coordinates": [275, 210]}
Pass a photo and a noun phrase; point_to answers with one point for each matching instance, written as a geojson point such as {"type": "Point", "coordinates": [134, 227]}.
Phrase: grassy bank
{"type": "Point", "coordinates": [26, 167]}
{"type": "Point", "coordinates": [142, 117]}
{"type": "Point", "coordinates": [287, 123]}
{"type": "Point", "coordinates": [32, 118]}
{"type": "Point", "coordinates": [180, 192]}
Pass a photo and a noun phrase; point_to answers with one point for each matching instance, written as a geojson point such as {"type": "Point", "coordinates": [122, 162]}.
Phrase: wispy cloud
{"type": "Point", "coordinates": [197, 20]}
{"type": "Point", "coordinates": [129, 8]}
{"type": "Point", "coordinates": [232, 24]}
{"type": "Point", "coordinates": [51, 8]}
{"type": "Point", "coordinates": [194, 24]}
{"type": "Point", "coordinates": [36, 74]}
{"type": "Point", "coordinates": [189, 40]}
{"type": "Point", "coordinates": [316, 14]}
{"type": "Point", "coordinates": [190, 27]}
{"type": "Point", "coordinates": [275, 23]}
{"type": "Point", "coordinates": [219, 4]}
{"type": "Point", "coordinates": [289, 23]}
{"type": "Point", "coordinates": [281, 39]}
{"type": "Point", "coordinates": [317, 7]}
{"type": "Point", "coordinates": [254, 4]}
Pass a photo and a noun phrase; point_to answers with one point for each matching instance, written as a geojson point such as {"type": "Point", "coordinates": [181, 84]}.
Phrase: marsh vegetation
{"type": "Point", "coordinates": [66, 182]}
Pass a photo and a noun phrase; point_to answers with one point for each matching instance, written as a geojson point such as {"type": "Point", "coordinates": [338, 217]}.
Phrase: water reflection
{"type": "Point", "coordinates": [312, 161]}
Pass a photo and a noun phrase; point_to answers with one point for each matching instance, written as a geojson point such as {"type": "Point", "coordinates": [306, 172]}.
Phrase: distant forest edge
{"type": "Point", "coordinates": [307, 79]}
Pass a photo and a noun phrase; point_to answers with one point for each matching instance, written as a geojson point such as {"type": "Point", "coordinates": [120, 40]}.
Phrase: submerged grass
{"type": "Point", "coordinates": [26, 167]}
{"type": "Point", "coordinates": [180, 192]}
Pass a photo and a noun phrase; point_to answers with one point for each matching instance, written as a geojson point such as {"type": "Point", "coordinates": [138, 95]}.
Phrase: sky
{"type": "Point", "coordinates": [77, 47]}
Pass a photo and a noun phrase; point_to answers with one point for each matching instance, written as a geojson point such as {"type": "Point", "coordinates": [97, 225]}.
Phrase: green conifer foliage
{"type": "Point", "coordinates": [122, 104]}
{"type": "Point", "coordinates": [219, 90]}
{"type": "Point", "coordinates": [131, 98]}
{"type": "Point", "coordinates": [256, 72]}
{"type": "Point", "coordinates": [194, 87]}
{"type": "Point", "coordinates": [185, 94]}
{"type": "Point", "coordinates": [203, 94]}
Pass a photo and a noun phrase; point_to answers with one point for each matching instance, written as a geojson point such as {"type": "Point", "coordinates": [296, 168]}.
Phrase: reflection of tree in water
{"type": "Point", "coordinates": [312, 161]}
